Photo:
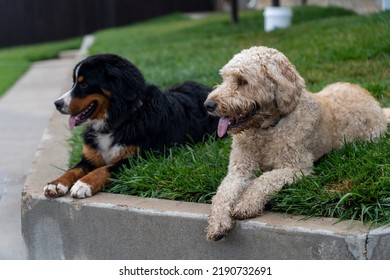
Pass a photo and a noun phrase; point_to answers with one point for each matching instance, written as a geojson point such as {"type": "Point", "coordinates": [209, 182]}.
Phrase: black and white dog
{"type": "Point", "coordinates": [123, 116]}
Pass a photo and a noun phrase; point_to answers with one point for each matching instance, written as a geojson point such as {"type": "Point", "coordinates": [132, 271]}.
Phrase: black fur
{"type": "Point", "coordinates": [141, 114]}
{"type": "Point", "coordinates": [124, 116]}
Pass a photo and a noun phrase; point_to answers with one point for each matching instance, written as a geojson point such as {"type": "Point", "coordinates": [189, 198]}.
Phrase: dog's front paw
{"type": "Point", "coordinates": [81, 190]}
{"type": "Point", "coordinates": [219, 228]}
{"type": "Point", "coordinates": [52, 190]}
{"type": "Point", "coordinates": [243, 210]}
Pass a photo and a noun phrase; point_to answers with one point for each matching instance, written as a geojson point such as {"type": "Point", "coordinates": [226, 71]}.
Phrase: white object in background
{"type": "Point", "coordinates": [277, 17]}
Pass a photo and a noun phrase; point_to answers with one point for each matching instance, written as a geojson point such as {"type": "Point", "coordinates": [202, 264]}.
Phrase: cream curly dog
{"type": "Point", "coordinates": [279, 128]}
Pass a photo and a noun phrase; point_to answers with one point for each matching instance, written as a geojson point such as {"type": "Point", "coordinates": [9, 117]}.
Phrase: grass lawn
{"type": "Point", "coordinates": [325, 44]}
{"type": "Point", "coordinates": [16, 60]}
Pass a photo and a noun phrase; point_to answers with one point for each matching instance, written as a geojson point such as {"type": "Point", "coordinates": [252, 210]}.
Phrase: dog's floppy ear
{"type": "Point", "coordinates": [126, 85]}
{"type": "Point", "coordinates": [126, 81]}
{"type": "Point", "coordinates": [287, 85]}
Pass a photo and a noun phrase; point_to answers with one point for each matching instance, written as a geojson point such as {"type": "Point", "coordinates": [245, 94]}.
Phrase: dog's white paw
{"type": "Point", "coordinates": [81, 190]}
{"type": "Point", "coordinates": [55, 190]}
{"type": "Point", "coordinates": [218, 228]}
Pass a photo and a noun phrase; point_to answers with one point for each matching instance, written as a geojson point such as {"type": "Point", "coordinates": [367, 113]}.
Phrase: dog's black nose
{"type": "Point", "coordinates": [210, 105]}
{"type": "Point", "coordinates": [59, 103]}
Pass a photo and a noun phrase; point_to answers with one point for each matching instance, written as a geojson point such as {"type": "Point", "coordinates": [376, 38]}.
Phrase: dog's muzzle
{"type": "Point", "coordinates": [59, 103]}
{"type": "Point", "coordinates": [61, 106]}
{"type": "Point", "coordinates": [210, 105]}
{"type": "Point", "coordinates": [62, 103]}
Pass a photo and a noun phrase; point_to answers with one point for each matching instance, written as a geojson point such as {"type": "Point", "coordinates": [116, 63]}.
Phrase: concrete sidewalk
{"type": "Point", "coordinates": [24, 113]}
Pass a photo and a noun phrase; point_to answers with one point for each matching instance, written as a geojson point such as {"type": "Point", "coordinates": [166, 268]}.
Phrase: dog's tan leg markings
{"type": "Point", "coordinates": [91, 183]}
{"type": "Point", "coordinates": [92, 156]}
{"type": "Point", "coordinates": [61, 185]}
{"type": "Point", "coordinates": [96, 180]}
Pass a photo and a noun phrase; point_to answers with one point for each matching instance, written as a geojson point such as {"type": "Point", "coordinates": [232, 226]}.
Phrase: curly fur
{"type": "Point", "coordinates": [279, 128]}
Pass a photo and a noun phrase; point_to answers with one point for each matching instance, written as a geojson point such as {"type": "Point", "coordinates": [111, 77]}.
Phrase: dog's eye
{"type": "Point", "coordinates": [241, 81]}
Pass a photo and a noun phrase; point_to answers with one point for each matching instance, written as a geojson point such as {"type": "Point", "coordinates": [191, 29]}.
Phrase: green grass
{"type": "Point", "coordinates": [350, 183]}
{"type": "Point", "coordinates": [16, 60]}
{"type": "Point", "coordinates": [188, 173]}
{"type": "Point", "coordinates": [325, 44]}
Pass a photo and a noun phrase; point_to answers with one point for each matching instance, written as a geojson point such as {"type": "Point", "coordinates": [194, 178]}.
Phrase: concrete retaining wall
{"type": "Point", "coordinates": [110, 226]}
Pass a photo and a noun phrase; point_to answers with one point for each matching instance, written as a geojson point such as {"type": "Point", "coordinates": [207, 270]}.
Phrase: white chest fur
{"type": "Point", "coordinates": [107, 150]}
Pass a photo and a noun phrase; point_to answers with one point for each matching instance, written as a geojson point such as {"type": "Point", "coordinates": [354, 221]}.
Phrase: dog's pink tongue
{"type": "Point", "coordinates": [72, 122]}
{"type": "Point", "coordinates": [223, 125]}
